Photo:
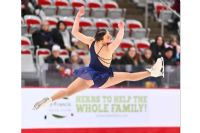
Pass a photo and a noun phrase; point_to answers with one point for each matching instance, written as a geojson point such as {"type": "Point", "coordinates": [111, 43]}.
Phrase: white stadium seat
{"type": "Point", "coordinates": [41, 54]}
{"type": "Point", "coordinates": [101, 23]}
{"type": "Point", "coordinates": [27, 64]}
{"type": "Point", "coordinates": [126, 43]}
{"type": "Point", "coordinates": [52, 21]}
{"type": "Point", "coordinates": [33, 22]}
{"type": "Point", "coordinates": [25, 42]}
{"type": "Point", "coordinates": [132, 24]}
{"type": "Point", "coordinates": [69, 21]}
{"type": "Point", "coordinates": [142, 44]}
{"type": "Point", "coordinates": [85, 22]}
{"type": "Point", "coordinates": [64, 54]}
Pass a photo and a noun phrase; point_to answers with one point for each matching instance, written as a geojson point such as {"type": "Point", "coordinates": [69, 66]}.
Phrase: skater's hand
{"type": "Point", "coordinates": [42, 103]}
{"type": "Point", "coordinates": [81, 11]}
{"type": "Point", "coordinates": [121, 25]}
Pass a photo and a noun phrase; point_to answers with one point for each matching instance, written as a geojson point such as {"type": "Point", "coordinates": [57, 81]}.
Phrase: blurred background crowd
{"type": "Point", "coordinates": [50, 53]}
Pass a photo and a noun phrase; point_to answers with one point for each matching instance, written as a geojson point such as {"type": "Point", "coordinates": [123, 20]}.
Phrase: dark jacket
{"type": "Point", "coordinates": [68, 61]}
{"type": "Point", "coordinates": [171, 61]}
{"type": "Point", "coordinates": [157, 51]}
{"type": "Point", "coordinates": [127, 60]}
{"type": "Point", "coordinates": [58, 39]}
{"type": "Point", "coordinates": [40, 37]}
{"type": "Point", "coordinates": [51, 60]}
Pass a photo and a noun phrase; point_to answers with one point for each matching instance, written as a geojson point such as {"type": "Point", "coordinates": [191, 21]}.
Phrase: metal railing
{"type": "Point", "coordinates": [51, 77]}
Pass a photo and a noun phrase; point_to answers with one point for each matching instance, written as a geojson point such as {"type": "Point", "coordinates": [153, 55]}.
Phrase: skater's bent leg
{"type": "Point", "coordinates": [125, 76]}
{"type": "Point", "coordinates": [76, 86]}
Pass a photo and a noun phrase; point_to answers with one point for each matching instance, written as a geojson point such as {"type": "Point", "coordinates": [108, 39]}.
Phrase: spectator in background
{"type": "Point", "coordinates": [25, 8]}
{"type": "Point", "coordinates": [62, 36]}
{"type": "Point", "coordinates": [54, 57]}
{"type": "Point", "coordinates": [42, 38]}
{"type": "Point", "coordinates": [147, 57]}
{"type": "Point", "coordinates": [75, 60]}
{"type": "Point", "coordinates": [158, 47]}
{"type": "Point", "coordinates": [174, 44]}
{"type": "Point", "coordinates": [168, 58]}
{"type": "Point", "coordinates": [132, 57]}
{"type": "Point", "coordinates": [176, 7]}
{"type": "Point", "coordinates": [115, 60]}
{"type": "Point", "coordinates": [57, 63]}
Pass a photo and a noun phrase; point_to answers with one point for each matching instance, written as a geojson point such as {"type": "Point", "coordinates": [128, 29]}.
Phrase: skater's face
{"type": "Point", "coordinates": [107, 38]}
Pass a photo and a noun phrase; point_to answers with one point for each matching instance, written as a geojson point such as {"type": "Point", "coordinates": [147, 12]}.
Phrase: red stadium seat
{"type": "Point", "coordinates": [93, 3]}
{"type": "Point", "coordinates": [77, 3]}
{"type": "Point", "coordinates": [68, 21]}
{"type": "Point", "coordinates": [126, 43]}
{"type": "Point", "coordinates": [81, 53]}
{"type": "Point", "coordinates": [59, 3]}
{"type": "Point", "coordinates": [107, 4]}
{"type": "Point", "coordinates": [142, 44]}
{"type": "Point", "coordinates": [114, 23]}
{"type": "Point", "coordinates": [64, 54]}
{"type": "Point", "coordinates": [25, 52]}
{"type": "Point", "coordinates": [132, 24]}
{"type": "Point", "coordinates": [158, 7]}
{"type": "Point", "coordinates": [32, 20]}
{"type": "Point", "coordinates": [119, 54]}
{"type": "Point", "coordinates": [25, 41]}
{"type": "Point", "coordinates": [44, 2]}
{"type": "Point", "coordinates": [86, 22]}
{"type": "Point", "coordinates": [41, 54]}
{"type": "Point", "coordinates": [101, 23]}
{"type": "Point", "coordinates": [52, 21]}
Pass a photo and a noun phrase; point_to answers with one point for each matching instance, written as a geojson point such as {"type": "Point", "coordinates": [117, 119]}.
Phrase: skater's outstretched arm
{"type": "Point", "coordinates": [115, 44]}
{"type": "Point", "coordinates": [75, 29]}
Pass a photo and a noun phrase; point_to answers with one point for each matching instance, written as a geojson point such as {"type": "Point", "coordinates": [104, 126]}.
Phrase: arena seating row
{"type": "Point", "coordinates": [133, 29]}
{"type": "Point", "coordinates": [77, 3]}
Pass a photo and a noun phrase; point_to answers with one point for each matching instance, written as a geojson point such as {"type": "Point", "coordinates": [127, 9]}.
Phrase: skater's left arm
{"type": "Point", "coordinates": [115, 44]}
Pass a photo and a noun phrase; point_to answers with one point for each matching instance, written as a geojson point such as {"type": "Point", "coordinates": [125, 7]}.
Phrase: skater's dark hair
{"type": "Point", "coordinates": [99, 34]}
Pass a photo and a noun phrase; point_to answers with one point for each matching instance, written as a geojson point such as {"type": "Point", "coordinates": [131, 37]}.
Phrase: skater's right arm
{"type": "Point", "coordinates": [75, 29]}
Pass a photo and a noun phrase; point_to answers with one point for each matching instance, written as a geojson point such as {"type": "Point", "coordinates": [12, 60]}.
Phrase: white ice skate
{"type": "Point", "coordinates": [42, 103]}
{"type": "Point", "coordinates": [157, 69]}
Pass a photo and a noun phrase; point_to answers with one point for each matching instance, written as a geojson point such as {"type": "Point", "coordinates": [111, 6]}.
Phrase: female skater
{"type": "Point", "coordinates": [99, 74]}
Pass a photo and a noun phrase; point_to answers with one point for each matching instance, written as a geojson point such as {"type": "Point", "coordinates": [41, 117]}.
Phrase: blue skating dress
{"type": "Point", "coordinates": [96, 71]}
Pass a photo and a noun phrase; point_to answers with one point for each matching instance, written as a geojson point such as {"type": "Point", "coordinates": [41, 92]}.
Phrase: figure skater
{"type": "Point", "coordinates": [99, 74]}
